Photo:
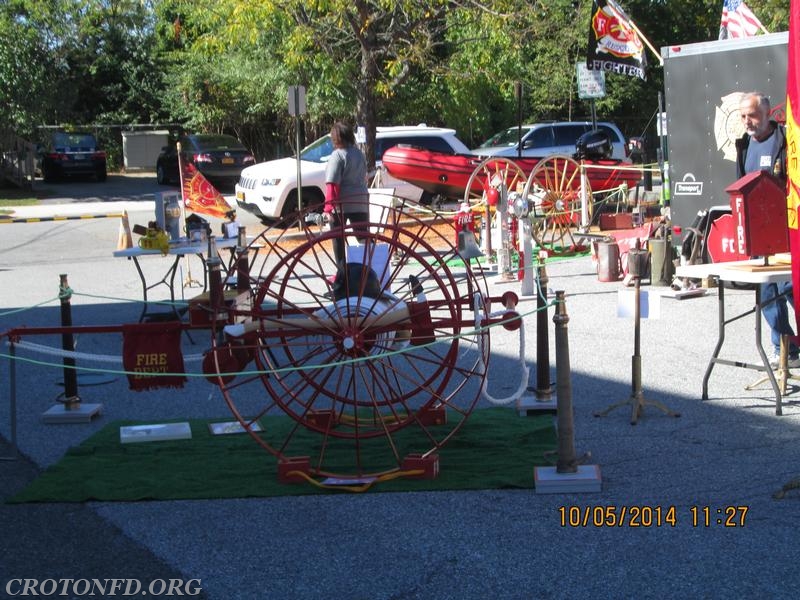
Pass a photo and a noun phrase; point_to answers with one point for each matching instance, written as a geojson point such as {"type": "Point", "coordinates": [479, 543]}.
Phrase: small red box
{"type": "Point", "coordinates": [291, 469]}
{"type": "Point", "coordinates": [432, 415]}
{"type": "Point", "coordinates": [324, 419]}
{"type": "Point", "coordinates": [616, 221]}
{"type": "Point", "coordinates": [427, 463]}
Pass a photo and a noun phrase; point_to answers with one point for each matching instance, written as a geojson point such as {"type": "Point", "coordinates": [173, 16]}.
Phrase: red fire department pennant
{"type": "Point", "coordinates": [151, 354]}
{"type": "Point", "coordinates": [200, 196]}
{"type": "Point", "coordinates": [793, 144]}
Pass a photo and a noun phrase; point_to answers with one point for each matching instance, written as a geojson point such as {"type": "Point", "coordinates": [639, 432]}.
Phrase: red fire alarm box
{"type": "Point", "coordinates": [758, 205]}
{"type": "Point", "coordinates": [721, 240]}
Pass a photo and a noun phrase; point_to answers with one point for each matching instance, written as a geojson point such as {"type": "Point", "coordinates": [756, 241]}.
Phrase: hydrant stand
{"type": "Point", "coordinates": [637, 400]}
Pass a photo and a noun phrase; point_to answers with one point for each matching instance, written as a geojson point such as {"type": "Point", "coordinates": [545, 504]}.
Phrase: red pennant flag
{"type": "Point", "coordinates": [151, 354]}
{"type": "Point", "coordinates": [200, 196]}
{"type": "Point", "coordinates": [793, 145]}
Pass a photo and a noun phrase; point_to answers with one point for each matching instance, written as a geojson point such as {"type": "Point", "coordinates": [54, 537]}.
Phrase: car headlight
{"type": "Point", "coordinates": [270, 181]}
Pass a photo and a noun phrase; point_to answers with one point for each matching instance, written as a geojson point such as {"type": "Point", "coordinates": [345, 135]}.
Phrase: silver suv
{"type": "Point", "coordinates": [269, 189]}
{"type": "Point", "coordinates": [543, 139]}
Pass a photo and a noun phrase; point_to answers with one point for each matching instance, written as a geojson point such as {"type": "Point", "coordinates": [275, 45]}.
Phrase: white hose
{"type": "Point", "coordinates": [50, 350]}
{"type": "Point", "coordinates": [523, 384]}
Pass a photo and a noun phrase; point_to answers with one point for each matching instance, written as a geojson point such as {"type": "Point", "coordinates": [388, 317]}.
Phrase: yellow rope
{"type": "Point", "coordinates": [355, 488]}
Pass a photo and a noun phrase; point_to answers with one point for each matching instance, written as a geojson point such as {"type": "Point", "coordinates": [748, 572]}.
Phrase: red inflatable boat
{"type": "Point", "coordinates": [449, 174]}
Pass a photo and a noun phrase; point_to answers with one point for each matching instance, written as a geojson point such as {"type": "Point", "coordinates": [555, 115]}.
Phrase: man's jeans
{"type": "Point", "coordinates": [776, 313]}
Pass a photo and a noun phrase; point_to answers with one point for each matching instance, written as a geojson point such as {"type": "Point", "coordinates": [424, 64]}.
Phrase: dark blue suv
{"type": "Point", "coordinates": [69, 154]}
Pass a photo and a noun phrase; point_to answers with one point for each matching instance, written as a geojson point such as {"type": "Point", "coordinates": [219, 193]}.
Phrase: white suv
{"type": "Point", "coordinates": [269, 189]}
{"type": "Point", "coordinates": [543, 139]}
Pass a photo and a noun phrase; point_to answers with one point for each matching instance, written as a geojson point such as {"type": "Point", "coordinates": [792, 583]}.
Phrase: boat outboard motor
{"type": "Point", "coordinates": [593, 145]}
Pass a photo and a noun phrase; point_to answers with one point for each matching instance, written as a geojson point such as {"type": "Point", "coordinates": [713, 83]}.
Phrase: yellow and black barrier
{"type": "Point", "coordinates": [7, 219]}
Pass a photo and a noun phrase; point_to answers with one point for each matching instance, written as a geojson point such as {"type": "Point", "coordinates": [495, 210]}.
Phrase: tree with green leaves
{"type": "Point", "coordinates": [31, 64]}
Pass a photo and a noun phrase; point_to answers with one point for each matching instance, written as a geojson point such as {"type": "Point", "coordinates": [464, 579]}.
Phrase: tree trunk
{"type": "Point", "coordinates": [366, 103]}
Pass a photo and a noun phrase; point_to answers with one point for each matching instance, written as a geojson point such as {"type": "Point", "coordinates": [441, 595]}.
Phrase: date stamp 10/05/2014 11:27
{"type": "Point", "coordinates": [652, 516]}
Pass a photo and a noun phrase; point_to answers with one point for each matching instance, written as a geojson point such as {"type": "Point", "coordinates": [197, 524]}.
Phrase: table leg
{"type": "Point", "coordinates": [168, 279]}
{"type": "Point", "coordinates": [764, 366]}
{"type": "Point", "coordinates": [720, 337]}
{"type": "Point", "coordinates": [764, 358]}
{"type": "Point", "coordinates": [144, 287]}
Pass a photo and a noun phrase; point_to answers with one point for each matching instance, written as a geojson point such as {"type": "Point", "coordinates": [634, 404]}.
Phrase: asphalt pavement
{"type": "Point", "coordinates": [714, 470]}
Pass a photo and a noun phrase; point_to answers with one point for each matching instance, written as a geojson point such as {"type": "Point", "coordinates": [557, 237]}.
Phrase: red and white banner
{"type": "Point", "coordinates": [614, 42]}
{"type": "Point", "coordinates": [793, 144]}
{"type": "Point", "coordinates": [200, 196]}
{"type": "Point", "coordinates": [738, 21]}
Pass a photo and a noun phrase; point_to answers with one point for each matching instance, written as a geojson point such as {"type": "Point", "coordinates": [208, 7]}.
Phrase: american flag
{"type": "Point", "coordinates": [738, 21]}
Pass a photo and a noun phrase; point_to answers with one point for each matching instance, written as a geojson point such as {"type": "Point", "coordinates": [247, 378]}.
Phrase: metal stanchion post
{"type": "Point", "coordinates": [70, 409]}
{"type": "Point", "coordinates": [539, 399]}
{"type": "Point", "coordinates": [242, 263]}
{"type": "Point", "coordinates": [71, 398]}
{"type": "Point", "coordinates": [214, 265]}
{"type": "Point", "coordinates": [12, 401]}
{"type": "Point", "coordinates": [543, 387]}
{"type": "Point", "coordinates": [527, 287]}
{"type": "Point", "coordinates": [568, 475]}
{"type": "Point", "coordinates": [567, 463]}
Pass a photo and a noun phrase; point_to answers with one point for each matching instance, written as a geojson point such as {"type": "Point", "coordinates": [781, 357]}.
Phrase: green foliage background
{"type": "Point", "coordinates": [225, 65]}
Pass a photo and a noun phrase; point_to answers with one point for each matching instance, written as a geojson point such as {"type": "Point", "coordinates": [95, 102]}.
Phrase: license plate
{"type": "Point", "coordinates": [240, 196]}
{"type": "Point", "coordinates": [79, 157]}
{"type": "Point", "coordinates": [227, 161]}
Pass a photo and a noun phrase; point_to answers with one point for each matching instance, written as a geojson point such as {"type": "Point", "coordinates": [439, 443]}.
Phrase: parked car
{"type": "Point", "coordinates": [219, 157]}
{"type": "Point", "coordinates": [269, 189]}
{"type": "Point", "coordinates": [70, 154]}
{"type": "Point", "coordinates": [543, 139]}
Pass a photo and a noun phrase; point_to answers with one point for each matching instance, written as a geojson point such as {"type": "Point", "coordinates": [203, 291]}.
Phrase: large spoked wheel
{"type": "Point", "coordinates": [360, 373]}
{"type": "Point", "coordinates": [492, 173]}
{"type": "Point", "coordinates": [490, 177]}
{"type": "Point", "coordinates": [554, 187]}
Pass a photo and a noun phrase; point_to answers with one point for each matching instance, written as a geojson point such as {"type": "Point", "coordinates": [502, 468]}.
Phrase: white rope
{"type": "Point", "coordinates": [627, 167]}
{"type": "Point", "coordinates": [524, 371]}
{"type": "Point", "coordinates": [60, 352]}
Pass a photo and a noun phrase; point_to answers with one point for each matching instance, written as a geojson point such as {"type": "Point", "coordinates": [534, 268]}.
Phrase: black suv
{"type": "Point", "coordinates": [68, 154]}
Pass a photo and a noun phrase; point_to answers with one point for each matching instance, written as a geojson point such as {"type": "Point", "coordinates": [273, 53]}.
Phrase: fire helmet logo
{"type": "Point", "coordinates": [614, 34]}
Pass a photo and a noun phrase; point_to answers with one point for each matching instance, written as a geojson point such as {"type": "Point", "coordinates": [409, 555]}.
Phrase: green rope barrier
{"type": "Point", "coordinates": [25, 308]}
{"type": "Point", "coordinates": [283, 370]}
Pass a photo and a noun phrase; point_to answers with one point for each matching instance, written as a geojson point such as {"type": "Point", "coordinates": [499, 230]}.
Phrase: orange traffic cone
{"type": "Point", "coordinates": [125, 240]}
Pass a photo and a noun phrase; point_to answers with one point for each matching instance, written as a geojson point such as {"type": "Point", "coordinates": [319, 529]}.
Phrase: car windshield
{"type": "Point", "coordinates": [509, 137]}
{"type": "Point", "coordinates": [219, 142]}
{"type": "Point", "coordinates": [319, 151]}
{"type": "Point", "coordinates": [74, 142]}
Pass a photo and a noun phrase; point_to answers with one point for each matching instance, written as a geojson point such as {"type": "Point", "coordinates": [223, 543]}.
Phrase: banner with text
{"type": "Point", "coordinates": [614, 44]}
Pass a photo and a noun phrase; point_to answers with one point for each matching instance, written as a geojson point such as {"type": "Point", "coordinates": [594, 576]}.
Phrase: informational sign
{"type": "Point", "coordinates": [649, 304]}
{"type": "Point", "coordinates": [591, 84]}
{"type": "Point", "coordinates": [661, 124]}
{"type": "Point", "coordinates": [297, 100]}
